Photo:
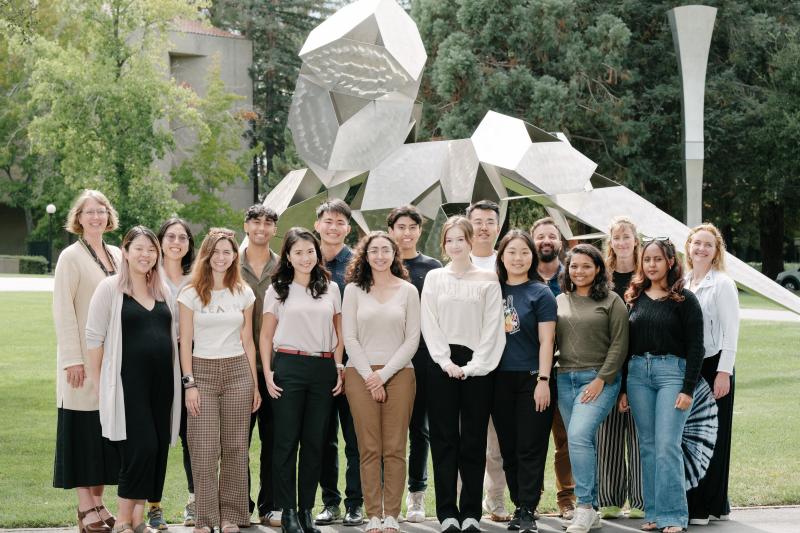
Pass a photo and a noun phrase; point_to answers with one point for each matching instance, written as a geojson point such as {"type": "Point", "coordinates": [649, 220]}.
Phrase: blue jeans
{"type": "Point", "coordinates": [581, 421]}
{"type": "Point", "coordinates": [654, 382]}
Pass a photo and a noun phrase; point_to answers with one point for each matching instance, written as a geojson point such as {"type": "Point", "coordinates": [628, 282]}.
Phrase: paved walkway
{"type": "Point", "coordinates": [750, 520]}
{"type": "Point", "coordinates": [29, 284]}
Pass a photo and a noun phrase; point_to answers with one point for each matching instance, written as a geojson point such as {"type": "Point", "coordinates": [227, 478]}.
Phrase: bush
{"type": "Point", "coordinates": [32, 264]}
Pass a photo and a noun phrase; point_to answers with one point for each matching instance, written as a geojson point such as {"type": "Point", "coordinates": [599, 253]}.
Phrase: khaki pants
{"type": "Point", "coordinates": [382, 433]}
{"type": "Point", "coordinates": [494, 480]}
{"type": "Point", "coordinates": [565, 483]}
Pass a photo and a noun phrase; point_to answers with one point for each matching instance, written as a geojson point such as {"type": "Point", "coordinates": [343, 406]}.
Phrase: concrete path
{"type": "Point", "coordinates": [750, 520]}
{"type": "Point", "coordinates": [30, 284]}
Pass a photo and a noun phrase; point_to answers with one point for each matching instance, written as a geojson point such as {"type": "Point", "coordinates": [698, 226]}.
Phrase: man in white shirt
{"type": "Point", "coordinates": [485, 219]}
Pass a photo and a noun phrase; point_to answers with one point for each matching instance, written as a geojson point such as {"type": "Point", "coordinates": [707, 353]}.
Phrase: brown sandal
{"type": "Point", "coordinates": [229, 527]}
{"type": "Point", "coordinates": [111, 520]}
{"type": "Point", "coordinates": [122, 528]}
{"type": "Point", "coordinates": [649, 526]}
{"type": "Point", "coordinates": [94, 527]}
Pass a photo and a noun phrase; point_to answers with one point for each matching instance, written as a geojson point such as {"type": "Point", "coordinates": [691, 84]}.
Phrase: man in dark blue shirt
{"type": "Point", "coordinates": [333, 225]}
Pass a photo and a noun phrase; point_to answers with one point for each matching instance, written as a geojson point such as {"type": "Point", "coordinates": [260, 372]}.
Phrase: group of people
{"type": "Point", "coordinates": [480, 360]}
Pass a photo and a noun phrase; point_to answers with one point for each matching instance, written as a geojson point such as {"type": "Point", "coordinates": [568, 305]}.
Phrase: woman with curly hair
{"type": "Point", "coordinates": [380, 325]}
{"type": "Point", "coordinates": [301, 352]}
{"type": "Point", "coordinates": [666, 347]}
{"type": "Point", "coordinates": [592, 333]}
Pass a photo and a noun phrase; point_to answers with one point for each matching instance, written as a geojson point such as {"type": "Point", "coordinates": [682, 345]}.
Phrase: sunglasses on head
{"type": "Point", "coordinates": [665, 240]}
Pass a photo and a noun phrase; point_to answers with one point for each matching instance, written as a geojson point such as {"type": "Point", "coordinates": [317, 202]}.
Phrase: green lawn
{"type": "Point", "coordinates": [766, 456]}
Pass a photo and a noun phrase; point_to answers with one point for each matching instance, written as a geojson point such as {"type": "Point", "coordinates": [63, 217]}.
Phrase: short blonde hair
{"type": "Point", "coordinates": [617, 223]}
{"type": "Point", "coordinates": [718, 262]}
{"type": "Point", "coordinates": [461, 222]}
{"type": "Point", "coordinates": [73, 225]}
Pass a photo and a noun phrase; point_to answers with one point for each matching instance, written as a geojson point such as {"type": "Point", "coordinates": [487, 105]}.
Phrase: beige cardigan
{"type": "Point", "coordinates": [104, 329]}
{"type": "Point", "coordinates": [77, 275]}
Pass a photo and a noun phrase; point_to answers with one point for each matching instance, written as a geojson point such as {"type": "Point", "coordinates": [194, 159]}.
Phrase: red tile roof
{"type": "Point", "coordinates": [199, 27]}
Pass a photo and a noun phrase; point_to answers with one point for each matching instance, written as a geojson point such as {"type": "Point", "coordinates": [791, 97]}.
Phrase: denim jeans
{"type": "Point", "coordinates": [582, 421]}
{"type": "Point", "coordinates": [654, 382]}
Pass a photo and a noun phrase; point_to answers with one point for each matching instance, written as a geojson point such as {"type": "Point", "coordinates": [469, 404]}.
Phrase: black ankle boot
{"type": "Point", "coordinates": [289, 522]}
{"type": "Point", "coordinates": [307, 522]}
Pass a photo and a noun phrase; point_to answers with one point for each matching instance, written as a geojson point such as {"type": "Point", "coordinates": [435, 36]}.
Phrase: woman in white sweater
{"type": "Point", "coordinates": [462, 322]}
{"type": "Point", "coordinates": [719, 299]}
{"type": "Point", "coordinates": [380, 325]}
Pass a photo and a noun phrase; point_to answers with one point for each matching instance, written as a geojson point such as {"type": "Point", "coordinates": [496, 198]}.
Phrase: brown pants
{"type": "Point", "coordinates": [382, 433]}
{"type": "Point", "coordinates": [221, 431]}
{"type": "Point", "coordinates": [565, 483]}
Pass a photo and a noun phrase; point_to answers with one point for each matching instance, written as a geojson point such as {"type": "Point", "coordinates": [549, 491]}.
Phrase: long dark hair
{"type": "Point", "coordinates": [600, 284]}
{"type": "Point", "coordinates": [188, 259]}
{"type": "Point", "coordinates": [284, 275]}
{"type": "Point", "coordinates": [641, 283]}
{"type": "Point", "coordinates": [359, 271]}
{"type": "Point", "coordinates": [502, 273]}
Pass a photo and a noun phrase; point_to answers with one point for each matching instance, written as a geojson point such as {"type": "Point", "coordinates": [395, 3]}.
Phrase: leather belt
{"type": "Point", "coordinates": [323, 355]}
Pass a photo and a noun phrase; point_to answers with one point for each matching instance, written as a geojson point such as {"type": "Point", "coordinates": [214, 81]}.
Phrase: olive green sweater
{"type": "Point", "coordinates": [592, 334]}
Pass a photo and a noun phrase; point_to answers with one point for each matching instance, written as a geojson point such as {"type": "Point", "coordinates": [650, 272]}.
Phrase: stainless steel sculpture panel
{"type": "Point", "coordinates": [692, 27]}
{"type": "Point", "coordinates": [350, 120]}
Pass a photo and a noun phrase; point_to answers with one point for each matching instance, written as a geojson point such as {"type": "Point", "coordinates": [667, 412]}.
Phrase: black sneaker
{"type": "Point", "coordinates": [329, 515]}
{"type": "Point", "coordinates": [513, 524]}
{"type": "Point", "coordinates": [354, 516]}
{"type": "Point", "coordinates": [527, 523]}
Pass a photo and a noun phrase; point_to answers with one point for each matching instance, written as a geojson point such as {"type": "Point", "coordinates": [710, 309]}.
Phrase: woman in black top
{"type": "Point", "coordinates": [666, 344]}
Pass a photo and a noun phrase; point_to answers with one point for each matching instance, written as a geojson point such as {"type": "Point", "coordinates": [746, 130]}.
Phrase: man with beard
{"type": "Point", "coordinates": [257, 264]}
{"type": "Point", "coordinates": [547, 239]}
{"type": "Point", "coordinates": [485, 219]}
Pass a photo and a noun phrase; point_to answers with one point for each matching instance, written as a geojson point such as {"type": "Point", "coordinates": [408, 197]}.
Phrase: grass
{"type": "Point", "coordinates": [765, 461]}
{"type": "Point", "coordinates": [754, 301]}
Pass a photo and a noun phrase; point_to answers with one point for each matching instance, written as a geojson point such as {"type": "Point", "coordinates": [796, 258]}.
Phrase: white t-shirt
{"type": "Point", "coordinates": [305, 323]}
{"type": "Point", "coordinates": [484, 263]}
{"type": "Point", "coordinates": [218, 326]}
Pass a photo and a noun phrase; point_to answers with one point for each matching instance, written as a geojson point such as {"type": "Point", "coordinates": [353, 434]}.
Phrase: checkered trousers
{"type": "Point", "coordinates": [221, 431]}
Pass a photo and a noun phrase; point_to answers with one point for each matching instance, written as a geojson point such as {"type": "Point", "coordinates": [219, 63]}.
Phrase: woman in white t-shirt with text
{"type": "Point", "coordinates": [219, 378]}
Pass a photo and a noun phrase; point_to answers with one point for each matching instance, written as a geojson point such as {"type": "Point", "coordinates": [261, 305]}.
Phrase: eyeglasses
{"type": "Point", "coordinates": [95, 212]}
{"type": "Point", "coordinates": [171, 237]}
{"type": "Point", "coordinates": [648, 240]}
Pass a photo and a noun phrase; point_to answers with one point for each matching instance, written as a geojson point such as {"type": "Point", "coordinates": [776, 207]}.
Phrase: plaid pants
{"type": "Point", "coordinates": [221, 432]}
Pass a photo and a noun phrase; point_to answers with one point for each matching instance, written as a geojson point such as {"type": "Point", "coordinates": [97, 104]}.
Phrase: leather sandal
{"type": "Point", "coordinates": [122, 528]}
{"type": "Point", "coordinates": [228, 527]}
{"type": "Point", "coordinates": [649, 526]}
{"type": "Point", "coordinates": [202, 529]}
{"type": "Point", "coordinates": [94, 527]}
{"type": "Point", "coordinates": [111, 520]}
{"type": "Point", "coordinates": [143, 528]}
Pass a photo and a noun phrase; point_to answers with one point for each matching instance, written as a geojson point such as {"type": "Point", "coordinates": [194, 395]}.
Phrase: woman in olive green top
{"type": "Point", "coordinates": [592, 333]}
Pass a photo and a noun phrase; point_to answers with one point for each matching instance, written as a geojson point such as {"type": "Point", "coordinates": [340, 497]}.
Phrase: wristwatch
{"type": "Point", "coordinates": [187, 381]}
{"type": "Point", "coordinates": [543, 378]}
{"type": "Point", "coordinates": [339, 367]}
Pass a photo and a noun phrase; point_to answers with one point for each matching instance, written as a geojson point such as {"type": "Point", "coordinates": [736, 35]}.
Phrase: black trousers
{"type": "Point", "coordinates": [187, 459]}
{"type": "Point", "coordinates": [459, 419]}
{"type": "Point", "coordinates": [523, 434]}
{"type": "Point", "coordinates": [301, 413]}
{"type": "Point", "coordinates": [266, 432]}
{"type": "Point", "coordinates": [418, 434]}
{"type": "Point", "coordinates": [710, 496]}
{"type": "Point", "coordinates": [329, 479]}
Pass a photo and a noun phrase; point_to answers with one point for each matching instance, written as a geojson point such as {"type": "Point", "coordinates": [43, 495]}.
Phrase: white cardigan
{"type": "Point", "coordinates": [719, 300]}
{"type": "Point", "coordinates": [104, 329]}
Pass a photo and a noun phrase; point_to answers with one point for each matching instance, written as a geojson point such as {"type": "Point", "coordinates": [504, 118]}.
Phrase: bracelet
{"type": "Point", "coordinates": [339, 367]}
{"type": "Point", "coordinates": [190, 386]}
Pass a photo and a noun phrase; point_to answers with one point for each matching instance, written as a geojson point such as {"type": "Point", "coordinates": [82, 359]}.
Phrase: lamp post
{"type": "Point", "coordinates": [51, 210]}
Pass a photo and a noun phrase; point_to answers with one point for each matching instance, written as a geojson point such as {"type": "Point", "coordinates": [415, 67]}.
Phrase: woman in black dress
{"type": "Point", "coordinates": [133, 357]}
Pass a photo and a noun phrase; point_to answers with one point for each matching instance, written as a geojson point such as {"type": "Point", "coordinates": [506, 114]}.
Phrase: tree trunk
{"type": "Point", "coordinates": [771, 236]}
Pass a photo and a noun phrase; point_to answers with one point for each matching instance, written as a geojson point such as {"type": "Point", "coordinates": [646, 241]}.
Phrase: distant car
{"type": "Point", "coordinates": [790, 279]}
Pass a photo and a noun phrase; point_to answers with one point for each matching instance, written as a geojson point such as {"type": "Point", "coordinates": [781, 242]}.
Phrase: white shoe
{"type": "Point", "coordinates": [470, 524]}
{"type": "Point", "coordinates": [720, 518]}
{"type": "Point", "coordinates": [450, 525]}
{"type": "Point", "coordinates": [415, 507]}
{"type": "Point", "coordinates": [585, 520]}
{"type": "Point", "coordinates": [698, 521]}
{"type": "Point", "coordinates": [390, 523]}
{"type": "Point", "coordinates": [373, 524]}
{"type": "Point", "coordinates": [275, 518]}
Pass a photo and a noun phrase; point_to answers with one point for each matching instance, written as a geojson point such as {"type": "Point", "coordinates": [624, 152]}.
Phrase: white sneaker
{"type": "Point", "coordinates": [275, 518]}
{"type": "Point", "coordinates": [585, 519]}
{"type": "Point", "coordinates": [450, 525]}
{"type": "Point", "coordinates": [698, 521]}
{"type": "Point", "coordinates": [471, 525]}
{"type": "Point", "coordinates": [415, 507]}
{"type": "Point", "coordinates": [390, 523]}
{"type": "Point", "coordinates": [373, 524]}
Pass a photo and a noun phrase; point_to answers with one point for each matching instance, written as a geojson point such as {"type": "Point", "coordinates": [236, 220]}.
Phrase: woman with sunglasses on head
{"type": "Point", "coordinates": [719, 299]}
{"type": "Point", "coordinates": [592, 333]}
{"type": "Point", "coordinates": [219, 381]}
{"type": "Point", "coordinates": [523, 403]}
{"type": "Point", "coordinates": [177, 256]}
{"type": "Point", "coordinates": [462, 321]}
{"type": "Point", "coordinates": [380, 325]}
{"type": "Point", "coordinates": [301, 352]}
{"type": "Point", "coordinates": [84, 460]}
{"type": "Point", "coordinates": [666, 349]}
{"type": "Point", "coordinates": [133, 356]}
{"type": "Point", "coordinates": [619, 468]}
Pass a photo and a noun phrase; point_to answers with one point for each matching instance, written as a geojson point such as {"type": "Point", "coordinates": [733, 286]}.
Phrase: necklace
{"type": "Point", "coordinates": [460, 275]}
{"type": "Point", "coordinates": [97, 259]}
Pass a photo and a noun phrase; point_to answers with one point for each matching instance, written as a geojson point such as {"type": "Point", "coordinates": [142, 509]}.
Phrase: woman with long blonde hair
{"type": "Point", "coordinates": [133, 356]}
{"type": "Point", "coordinates": [220, 383]}
{"type": "Point", "coordinates": [719, 299]}
{"type": "Point", "coordinates": [619, 470]}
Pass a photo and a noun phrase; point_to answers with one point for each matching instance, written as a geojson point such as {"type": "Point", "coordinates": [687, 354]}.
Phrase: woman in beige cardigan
{"type": "Point", "coordinates": [84, 459]}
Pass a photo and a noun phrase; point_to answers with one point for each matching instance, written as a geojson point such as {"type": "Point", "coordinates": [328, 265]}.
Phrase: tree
{"type": "Point", "coordinates": [217, 158]}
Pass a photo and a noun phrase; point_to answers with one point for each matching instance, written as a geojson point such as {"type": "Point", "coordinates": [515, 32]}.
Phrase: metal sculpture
{"type": "Point", "coordinates": [504, 159]}
{"type": "Point", "coordinates": [692, 27]}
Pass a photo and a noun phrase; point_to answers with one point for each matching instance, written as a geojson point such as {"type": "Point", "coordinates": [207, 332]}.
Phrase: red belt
{"type": "Point", "coordinates": [324, 355]}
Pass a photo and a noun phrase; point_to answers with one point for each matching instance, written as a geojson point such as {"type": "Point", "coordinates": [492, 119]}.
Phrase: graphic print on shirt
{"type": "Point", "coordinates": [510, 316]}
